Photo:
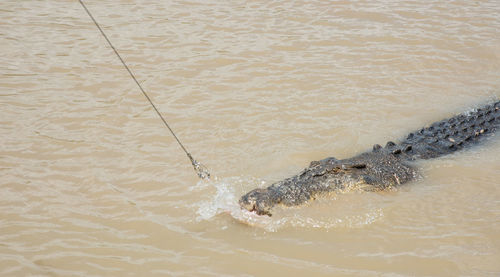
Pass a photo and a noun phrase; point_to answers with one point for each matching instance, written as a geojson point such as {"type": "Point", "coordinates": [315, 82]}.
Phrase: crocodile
{"type": "Point", "coordinates": [379, 168]}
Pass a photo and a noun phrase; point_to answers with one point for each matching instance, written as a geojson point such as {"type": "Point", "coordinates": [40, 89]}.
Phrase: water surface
{"type": "Point", "coordinates": [92, 183]}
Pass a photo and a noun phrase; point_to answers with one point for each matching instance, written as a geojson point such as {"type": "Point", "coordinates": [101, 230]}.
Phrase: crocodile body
{"type": "Point", "coordinates": [381, 167]}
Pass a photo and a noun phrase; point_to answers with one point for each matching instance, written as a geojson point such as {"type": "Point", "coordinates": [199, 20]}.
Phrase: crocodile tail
{"type": "Point", "coordinates": [449, 135]}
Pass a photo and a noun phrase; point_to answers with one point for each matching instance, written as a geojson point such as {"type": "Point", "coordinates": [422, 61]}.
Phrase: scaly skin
{"type": "Point", "coordinates": [379, 168]}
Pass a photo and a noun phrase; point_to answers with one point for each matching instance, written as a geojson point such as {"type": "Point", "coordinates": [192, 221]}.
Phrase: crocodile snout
{"type": "Point", "coordinates": [257, 201]}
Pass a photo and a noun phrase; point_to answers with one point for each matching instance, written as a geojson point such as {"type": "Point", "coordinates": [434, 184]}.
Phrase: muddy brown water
{"type": "Point", "coordinates": [92, 184]}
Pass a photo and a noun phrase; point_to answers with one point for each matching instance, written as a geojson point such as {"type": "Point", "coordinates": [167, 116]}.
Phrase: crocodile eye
{"type": "Point", "coordinates": [358, 166]}
{"type": "Point", "coordinates": [354, 165]}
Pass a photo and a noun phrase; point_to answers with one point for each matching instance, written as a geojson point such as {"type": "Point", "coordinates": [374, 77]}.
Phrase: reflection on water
{"type": "Point", "coordinates": [92, 184]}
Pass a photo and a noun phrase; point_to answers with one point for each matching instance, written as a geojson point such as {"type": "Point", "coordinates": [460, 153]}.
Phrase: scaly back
{"type": "Point", "coordinates": [449, 135]}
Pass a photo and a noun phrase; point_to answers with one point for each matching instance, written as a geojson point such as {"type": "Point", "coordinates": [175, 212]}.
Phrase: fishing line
{"type": "Point", "coordinates": [199, 168]}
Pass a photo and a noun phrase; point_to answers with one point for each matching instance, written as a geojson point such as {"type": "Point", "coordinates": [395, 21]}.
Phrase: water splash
{"type": "Point", "coordinates": [321, 214]}
{"type": "Point", "coordinates": [225, 200]}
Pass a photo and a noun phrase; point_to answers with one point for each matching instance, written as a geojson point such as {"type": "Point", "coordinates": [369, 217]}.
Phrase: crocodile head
{"type": "Point", "coordinates": [319, 177]}
{"type": "Point", "coordinates": [258, 201]}
{"type": "Point", "coordinates": [369, 171]}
